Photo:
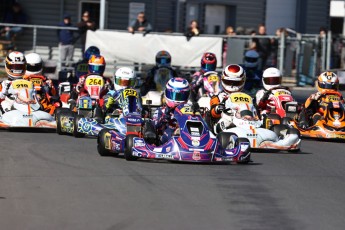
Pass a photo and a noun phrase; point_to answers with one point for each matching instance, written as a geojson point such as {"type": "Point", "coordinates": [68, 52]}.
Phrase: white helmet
{"type": "Point", "coordinates": [271, 78]}
{"type": "Point", "coordinates": [15, 65]}
{"type": "Point", "coordinates": [124, 78]}
{"type": "Point", "coordinates": [251, 59]}
{"type": "Point", "coordinates": [34, 64]}
{"type": "Point", "coordinates": [233, 78]}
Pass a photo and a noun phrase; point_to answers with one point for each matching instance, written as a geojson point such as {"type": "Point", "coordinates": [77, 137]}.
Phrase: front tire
{"type": "Point", "coordinates": [63, 112]}
{"type": "Point", "coordinates": [241, 140]}
{"type": "Point", "coordinates": [128, 148]}
{"type": "Point", "coordinates": [102, 142]}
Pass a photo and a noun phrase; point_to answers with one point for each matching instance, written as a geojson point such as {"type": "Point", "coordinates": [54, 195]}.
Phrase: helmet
{"type": "Point", "coordinates": [92, 50]}
{"type": "Point", "coordinates": [15, 65]}
{"type": "Point", "coordinates": [96, 64]}
{"type": "Point", "coordinates": [34, 64]}
{"type": "Point", "coordinates": [251, 59]}
{"type": "Point", "coordinates": [176, 92]}
{"type": "Point", "coordinates": [124, 78]}
{"type": "Point", "coordinates": [208, 62]}
{"type": "Point", "coordinates": [327, 81]}
{"type": "Point", "coordinates": [271, 78]}
{"type": "Point", "coordinates": [163, 58]}
{"type": "Point", "coordinates": [233, 78]}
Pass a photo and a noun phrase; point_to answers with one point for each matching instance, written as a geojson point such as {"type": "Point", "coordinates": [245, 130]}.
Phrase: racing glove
{"type": "Point", "coordinates": [109, 103]}
{"type": "Point", "coordinates": [315, 96]}
{"type": "Point", "coordinates": [219, 108]}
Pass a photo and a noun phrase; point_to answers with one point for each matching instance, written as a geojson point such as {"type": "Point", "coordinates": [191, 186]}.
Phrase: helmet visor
{"type": "Point", "coordinates": [209, 67]}
{"type": "Point", "coordinates": [99, 69]}
{"type": "Point", "coordinates": [232, 82]}
{"type": "Point", "coordinates": [125, 82]}
{"type": "Point", "coordinates": [327, 85]}
{"type": "Point", "coordinates": [16, 68]}
{"type": "Point", "coordinates": [177, 96]}
{"type": "Point", "coordinates": [34, 67]}
{"type": "Point", "coordinates": [272, 80]}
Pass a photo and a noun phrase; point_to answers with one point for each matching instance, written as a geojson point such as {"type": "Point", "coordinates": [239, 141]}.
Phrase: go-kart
{"type": "Point", "coordinates": [89, 104]}
{"type": "Point", "coordinates": [128, 101]}
{"type": "Point", "coordinates": [26, 112]}
{"type": "Point", "coordinates": [191, 142]}
{"type": "Point", "coordinates": [330, 125]}
{"type": "Point", "coordinates": [247, 125]}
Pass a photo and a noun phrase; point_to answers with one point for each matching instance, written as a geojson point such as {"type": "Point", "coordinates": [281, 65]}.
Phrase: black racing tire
{"type": "Point", "coordinates": [244, 140]}
{"type": "Point", "coordinates": [277, 129]}
{"type": "Point", "coordinates": [61, 112]}
{"type": "Point", "coordinates": [128, 148]}
{"type": "Point", "coordinates": [75, 127]}
{"type": "Point", "coordinates": [101, 143]}
{"type": "Point", "coordinates": [267, 122]}
{"type": "Point", "coordinates": [293, 130]}
{"type": "Point", "coordinates": [224, 139]}
{"type": "Point", "coordinates": [286, 120]}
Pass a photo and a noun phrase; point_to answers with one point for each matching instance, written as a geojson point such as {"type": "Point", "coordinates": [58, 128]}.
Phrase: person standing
{"type": "Point", "coordinates": [84, 25]}
{"type": "Point", "coordinates": [192, 30]}
{"type": "Point", "coordinates": [66, 41]}
{"type": "Point", "coordinates": [140, 24]}
{"type": "Point", "coordinates": [263, 46]}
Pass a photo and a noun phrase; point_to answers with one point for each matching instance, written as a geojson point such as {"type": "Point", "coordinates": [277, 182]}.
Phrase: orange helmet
{"type": "Point", "coordinates": [327, 81]}
{"type": "Point", "coordinates": [96, 64]}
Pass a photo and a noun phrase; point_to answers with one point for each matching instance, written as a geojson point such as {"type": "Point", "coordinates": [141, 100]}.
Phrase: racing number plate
{"type": "Point", "coordinates": [22, 84]}
{"type": "Point", "coordinates": [83, 68]}
{"type": "Point", "coordinates": [333, 98]}
{"type": "Point", "coordinates": [240, 98]}
{"type": "Point", "coordinates": [130, 92]}
{"type": "Point", "coordinates": [280, 92]}
{"type": "Point", "coordinates": [213, 78]}
{"type": "Point", "coordinates": [96, 80]}
{"type": "Point", "coordinates": [36, 81]}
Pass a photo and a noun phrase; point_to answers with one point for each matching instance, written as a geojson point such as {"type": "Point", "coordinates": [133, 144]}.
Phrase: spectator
{"type": "Point", "coordinates": [239, 30]}
{"type": "Point", "coordinates": [193, 30]}
{"type": "Point", "coordinates": [84, 25]}
{"type": "Point", "coordinates": [263, 46]}
{"type": "Point", "coordinates": [66, 41]}
{"type": "Point", "coordinates": [230, 31]}
{"type": "Point", "coordinates": [15, 15]}
{"type": "Point", "coordinates": [275, 45]}
{"type": "Point", "coordinates": [140, 24]}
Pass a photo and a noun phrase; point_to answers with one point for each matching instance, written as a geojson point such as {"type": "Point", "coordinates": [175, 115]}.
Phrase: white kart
{"type": "Point", "coordinates": [247, 125]}
{"type": "Point", "coordinates": [25, 110]}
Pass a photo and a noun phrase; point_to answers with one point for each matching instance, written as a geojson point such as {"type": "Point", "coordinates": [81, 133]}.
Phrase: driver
{"type": "Point", "coordinates": [271, 79]}
{"type": "Point", "coordinates": [201, 84]}
{"type": "Point", "coordinates": [176, 92]}
{"type": "Point", "coordinates": [15, 66]}
{"type": "Point", "coordinates": [232, 80]}
{"type": "Point", "coordinates": [124, 78]}
{"type": "Point", "coordinates": [81, 67]}
{"type": "Point", "coordinates": [314, 107]}
{"type": "Point", "coordinates": [159, 75]}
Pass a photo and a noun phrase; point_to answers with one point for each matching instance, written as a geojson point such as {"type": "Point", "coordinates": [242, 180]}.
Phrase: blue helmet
{"type": "Point", "coordinates": [92, 50]}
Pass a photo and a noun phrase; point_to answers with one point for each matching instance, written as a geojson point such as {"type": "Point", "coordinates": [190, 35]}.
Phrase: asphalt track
{"type": "Point", "coordinates": [49, 181]}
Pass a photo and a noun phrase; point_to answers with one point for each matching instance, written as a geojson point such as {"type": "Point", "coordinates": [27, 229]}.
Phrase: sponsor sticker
{"type": "Point", "coordinates": [195, 143]}
{"type": "Point", "coordinates": [196, 156]}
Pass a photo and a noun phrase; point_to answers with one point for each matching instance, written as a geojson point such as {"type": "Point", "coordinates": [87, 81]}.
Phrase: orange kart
{"type": "Point", "coordinates": [330, 125]}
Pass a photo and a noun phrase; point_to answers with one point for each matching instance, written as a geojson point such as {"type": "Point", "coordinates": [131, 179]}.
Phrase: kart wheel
{"type": "Point", "coordinates": [63, 112]}
{"type": "Point", "coordinates": [286, 120]}
{"type": "Point", "coordinates": [128, 148]}
{"type": "Point", "coordinates": [270, 120]}
{"type": "Point", "coordinates": [292, 130]}
{"type": "Point", "coordinates": [227, 140]}
{"type": "Point", "coordinates": [102, 142]}
{"type": "Point", "coordinates": [241, 140]}
{"type": "Point", "coordinates": [75, 124]}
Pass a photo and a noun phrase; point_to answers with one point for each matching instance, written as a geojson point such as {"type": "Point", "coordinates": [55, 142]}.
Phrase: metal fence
{"type": "Point", "coordinates": [298, 56]}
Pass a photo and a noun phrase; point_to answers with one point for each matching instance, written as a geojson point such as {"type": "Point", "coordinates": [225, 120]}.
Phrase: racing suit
{"type": "Point", "coordinates": [164, 123]}
{"type": "Point", "coordinates": [253, 80]}
{"type": "Point", "coordinates": [7, 95]}
{"type": "Point", "coordinates": [263, 100]}
{"type": "Point", "coordinates": [203, 83]}
{"type": "Point", "coordinates": [313, 110]}
{"type": "Point", "coordinates": [156, 80]}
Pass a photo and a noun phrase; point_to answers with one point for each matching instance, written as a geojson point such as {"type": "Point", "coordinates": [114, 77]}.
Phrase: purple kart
{"type": "Point", "coordinates": [191, 142]}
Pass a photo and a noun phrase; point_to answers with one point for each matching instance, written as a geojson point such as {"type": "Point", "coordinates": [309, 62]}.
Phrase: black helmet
{"type": "Point", "coordinates": [163, 58]}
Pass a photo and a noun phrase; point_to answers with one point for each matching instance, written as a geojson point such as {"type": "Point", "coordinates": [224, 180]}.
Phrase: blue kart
{"type": "Point", "coordinates": [191, 142]}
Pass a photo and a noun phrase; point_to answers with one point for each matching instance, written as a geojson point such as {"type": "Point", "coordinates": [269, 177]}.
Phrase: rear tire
{"type": "Point", "coordinates": [286, 120]}
{"type": "Point", "coordinates": [75, 124]}
{"type": "Point", "coordinates": [101, 143]}
{"type": "Point", "coordinates": [226, 139]}
{"type": "Point", "coordinates": [99, 115]}
{"type": "Point", "coordinates": [128, 148]}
